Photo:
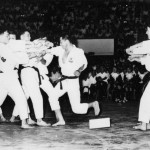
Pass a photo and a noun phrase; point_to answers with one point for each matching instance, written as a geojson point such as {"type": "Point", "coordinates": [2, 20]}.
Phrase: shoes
{"type": "Point", "coordinates": [43, 124]}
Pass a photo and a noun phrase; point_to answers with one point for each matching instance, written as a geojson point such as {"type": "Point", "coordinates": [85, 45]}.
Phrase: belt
{"type": "Point", "coordinates": [64, 78]}
{"type": "Point", "coordinates": [146, 80]}
{"type": "Point", "coordinates": [86, 87]}
{"type": "Point", "coordinates": [37, 70]}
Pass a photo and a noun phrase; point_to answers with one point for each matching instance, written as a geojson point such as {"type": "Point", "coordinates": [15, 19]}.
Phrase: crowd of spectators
{"type": "Point", "coordinates": [121, 20]}
{"type": "Point", "coordinates": [115, 80]}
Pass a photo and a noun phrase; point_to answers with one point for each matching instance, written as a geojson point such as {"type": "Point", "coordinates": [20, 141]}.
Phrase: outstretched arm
{"type": "Point", "coordinates": [140, 48]}
{"type": "Point", "coordinates": [137, 58]}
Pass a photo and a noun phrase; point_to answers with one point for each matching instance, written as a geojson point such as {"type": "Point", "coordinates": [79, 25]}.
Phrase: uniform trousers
{"type": "Point", "coordinates": [30, 82]}
{"type": "Point", "coordinates": [72, 87]}
{"type": "Point", "coordinates": [10, 85]}
{"type": "Point", "coordinates": [144, 108]}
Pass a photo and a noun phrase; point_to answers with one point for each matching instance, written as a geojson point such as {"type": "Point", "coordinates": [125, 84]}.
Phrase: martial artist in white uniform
{"type": "Point", "coordinates": [45, 83]}
{"type": "Point", "coordinates": [144, 108]}
{"type": "Point", "coordinates": [11, 37]}
{"type": "Point", "coordinates": [31, 84]}
{"type": "Point", "coordinates": [9, 78]}
{"type": "Point", "coordinates": [72, 62]}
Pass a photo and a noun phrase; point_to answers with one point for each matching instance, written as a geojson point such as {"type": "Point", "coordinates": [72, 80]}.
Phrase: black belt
{"type": "Point", "coordinates": [64, 78]}
{"type": "Point", "coordinates": [36, 69]}
{"type": "Point", "coordinates": [146, 80]}
{"type": "Point", "coordinates": [86, 87]}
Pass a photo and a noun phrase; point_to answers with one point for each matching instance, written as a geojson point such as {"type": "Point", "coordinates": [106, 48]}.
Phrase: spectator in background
{"type": "Point", "coordinates": [102, 82]}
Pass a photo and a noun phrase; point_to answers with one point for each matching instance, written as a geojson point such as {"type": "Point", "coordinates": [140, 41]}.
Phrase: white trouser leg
{"type": "Point", "coordinates": [144, 109]}
{"type": "Point", "coordinates": [29, 79]}
{"type": "Point", "coordinates": [10, 85]}
{"type": "Point", "coordinates": [16, 112]}
{"type": "Point", "coordinates": [17, 94]}
{"type": "Point", "coordinates": [71, 86]}
{"type": "Point", "coordinates": [55, 95]}
{"type": "Point", "coordinates": [75, 97]}
{"type": "Point", "coordinates": [47, 87]}
{"type": "Point", "coordinates": [1, 110]}
{"type": "Point", "coordinates": [3, 94]}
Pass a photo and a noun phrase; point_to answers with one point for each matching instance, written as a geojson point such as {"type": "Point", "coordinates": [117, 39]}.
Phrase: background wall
{"type": "Point", "coordinates": [97, 46]}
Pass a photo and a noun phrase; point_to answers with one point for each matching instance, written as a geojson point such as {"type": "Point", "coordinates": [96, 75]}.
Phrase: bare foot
{"type": "Point", "coordinates": [31, 122]}
{"type": "Point", "coordinates": [43, 123]}
{"type": "Point", "coordinates": [59, 123]}
{"type": "Point", "coordinates": [12, 119]}
{"type": "Point", "coordinates": [3, 119]}
{"type": "Point", "coordinates": [140, 127]}
{"type": "Point", "coordinates": [96, 108]}
{"type": "Point", "coordinates": [26, 126]}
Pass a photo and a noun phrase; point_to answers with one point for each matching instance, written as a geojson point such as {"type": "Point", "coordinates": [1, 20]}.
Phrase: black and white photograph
{"type": "Point", "coordinates": [74, 74]}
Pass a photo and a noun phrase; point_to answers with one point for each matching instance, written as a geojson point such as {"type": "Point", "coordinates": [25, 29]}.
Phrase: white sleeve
{"type": "Point", "coordinates": [48, 57]}
{"type": "Point", "coordinates": [17, 45]}
{"type": "Point", "coordinates": [56, 50]}
{"type": "Point", "coordinates": [81, 60]}
{"type": "Point", "coordinates": [145, 60]}
{"type": "Point", "coordinates": [20, 57]}
{"type": "Point", "coordinates": [144, 49]}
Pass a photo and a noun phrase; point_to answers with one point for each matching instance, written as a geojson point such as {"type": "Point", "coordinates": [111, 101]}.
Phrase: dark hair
{"type": "Point", "coordinates": [23, 30]}
{"type": "Point", "coordinates": [148, 22]}
{"type": "Point", "coordinates": [3, 29]}
{"type": "Point", "coordinates": [13, 32]}
{"type": "Point", "coordinates": [54, 70]}
{"type": "Point", "coordinates": [70, 37]}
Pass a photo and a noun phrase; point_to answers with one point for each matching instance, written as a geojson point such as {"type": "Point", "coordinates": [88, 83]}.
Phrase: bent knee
{"type": "Point", "coordinates": [76, 110]}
